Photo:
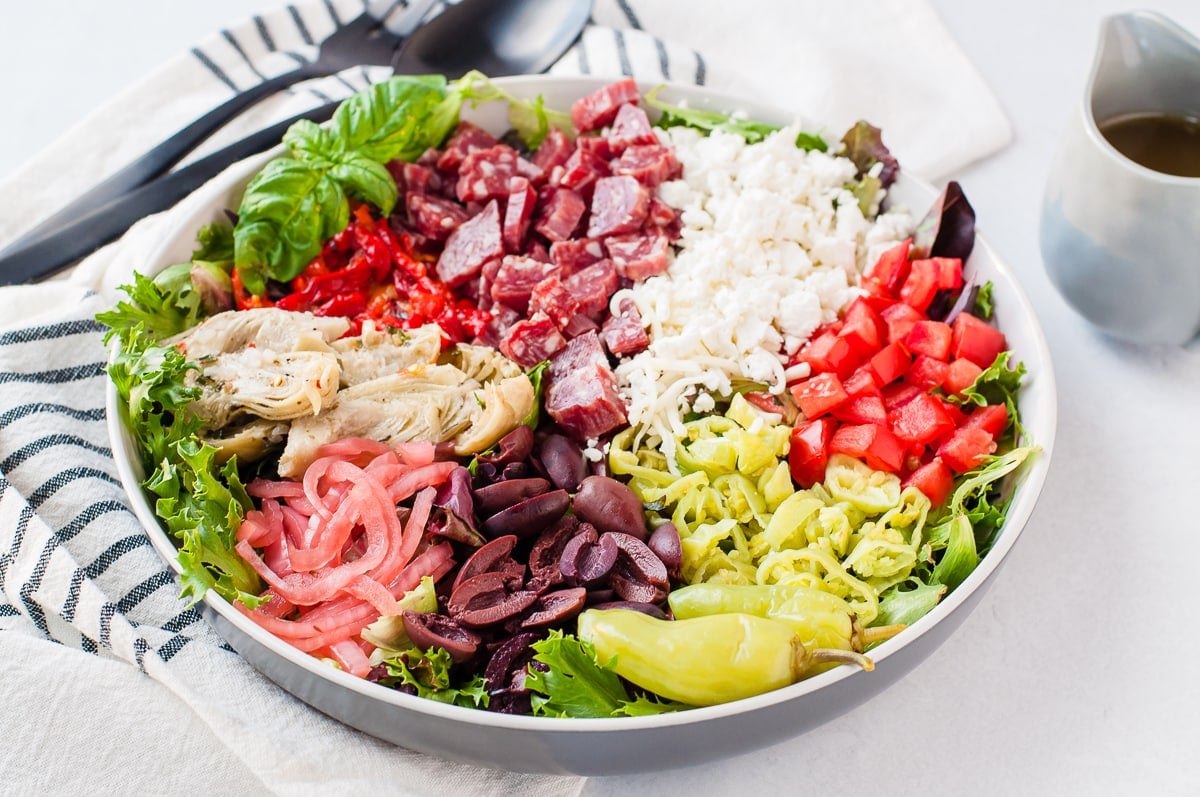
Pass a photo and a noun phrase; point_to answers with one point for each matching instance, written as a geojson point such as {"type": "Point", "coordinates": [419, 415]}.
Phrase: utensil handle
{"type": "Point", "coordinates": [82, 234]}
{"type": "Point", "coordinates": [161, 158]}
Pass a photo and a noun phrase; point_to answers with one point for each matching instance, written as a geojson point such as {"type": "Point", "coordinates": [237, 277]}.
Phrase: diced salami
{"type": "Point", "coordinates": [593, 287]}
{"type": "Point", "coordinates": [553, 151]}
{"type": "Point", "coordinates": [582, 352]}
{"type": "Point", "coordinates": [649, 164]}
{"type": "Point", "coordinates": [466, 139]}
{"type": "Point", "coordinates": [475, 242]}
{"type": "Point", "coordinates": [586, 403]}
{"type": "Point", "coordinates": [619, 205]}
{"type": "Point", "coordinates": [530, 341]}
{"type": "Point", "coordinates": [503, 318]}
{"type": "Point", "coordinates": [538, 251]}
{"type": "Point", "coordinates": [579, 325]}
{"type": "Point", "coordinates": [600, 107]}
{"type": "Point", "coordinates": [624, 333]}
{"type": "Point", "coordinates": [486, 174]}
{"type": "Point", "coordinates": [559, 213]}
{"type": "Point", "coordinates": [487, 276]}
{"type": "Point", "coordinates": [664, 216]}
{"type": "Point", "coordinates": [413, 178]}
{"type": "Point", "coordinates": [518, 212]}
{"type": "Point", "coordinates": [551, 297]}
{"type": "Point", "coordinates": [638, 256]}
{"type": "Point", "coordinates": [630, 128]}
{"type": "Point", "coordinates": [582, 170]}
{"type": "Point", "coordinates": [577, 254]}
{"type": "Point", "coordinates": [516, 279]}
{"type": "Point", "coordinates": [599, 146]}
{"type": "Point", "coordinates": [433, 216]}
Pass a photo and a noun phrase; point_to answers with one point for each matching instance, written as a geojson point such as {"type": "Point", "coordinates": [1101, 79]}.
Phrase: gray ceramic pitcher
{"type": "Point", "coordinates": [1122, 242]}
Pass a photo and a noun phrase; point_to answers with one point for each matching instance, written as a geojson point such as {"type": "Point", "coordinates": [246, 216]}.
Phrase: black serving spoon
{"type": "Point", "coordinates": [497, 37]}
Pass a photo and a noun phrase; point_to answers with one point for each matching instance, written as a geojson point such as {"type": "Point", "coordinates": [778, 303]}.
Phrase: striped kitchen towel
{"type": "Point", "coordinates": [77, 572]}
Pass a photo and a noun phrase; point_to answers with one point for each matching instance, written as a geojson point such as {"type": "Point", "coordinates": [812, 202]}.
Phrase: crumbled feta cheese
{"type": "Point", "coordinates": [771, 248]}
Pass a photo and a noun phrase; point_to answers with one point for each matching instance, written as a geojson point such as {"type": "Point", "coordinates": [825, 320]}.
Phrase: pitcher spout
{"type": "Point", "coordinates": [1145, 63]}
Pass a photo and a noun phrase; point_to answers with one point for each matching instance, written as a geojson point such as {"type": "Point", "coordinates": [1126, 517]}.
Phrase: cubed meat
{"type": "Point", "coordinates": [516, 279]}
{"type": "Point", "coordinates": [593, 287]}
{"type": "Point", "coordinates": [619, 205]}
{"type": "Point", "coordinates": [600, 107]}
{"type": "Point", "coordinates": [649, 164]}
{"type": "Point", "coordinates": [577, 254]}
{"type": "Point", "coordinates": [553, 151]}
{"type": "Point", "coordinates": [465, 139]}
{"type": "Point", "coordinates": [630, 128]}
{"type": "Point", "coordinates": [433, 216]}
{"type": "Point", "coordinates": [586, 403]}
{"type": "Point", "coordinates": [476, 241]}
{"type": "Point", "coordinates": [518, 212]}
{"type": "Point", "coordinates": [559, 212]}
{"type": "Point", "coordinates": [530, 341]}
{"type": "Point", "coordinates": [624, 333]}
{"type": "Point", "coordinates": [551, 297]}
{"type": "Point", "coordinates": [638, 256]}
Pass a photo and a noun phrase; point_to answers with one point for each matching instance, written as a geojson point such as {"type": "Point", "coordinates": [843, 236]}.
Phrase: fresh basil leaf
{"type": "Point", "coordinates": [287, 213]}
{"type": "Point", "coordinates": [391, 119]}
{"type": "Point", "coordinates": [308, 141]}
{"type": "Point", "coordinates": [367, 179]}
{"type": "Point", "coordinates": [864, 146]}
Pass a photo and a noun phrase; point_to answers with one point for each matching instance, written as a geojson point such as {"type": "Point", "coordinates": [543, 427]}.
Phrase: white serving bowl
{"type": "Point", "coordinates": [618, 745]}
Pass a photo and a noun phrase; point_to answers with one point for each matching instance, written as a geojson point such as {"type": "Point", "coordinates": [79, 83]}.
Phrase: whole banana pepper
{"type": "Point", "coordinates": [821, 619]}
{"type": "Point", "coordinates": [707, 660]}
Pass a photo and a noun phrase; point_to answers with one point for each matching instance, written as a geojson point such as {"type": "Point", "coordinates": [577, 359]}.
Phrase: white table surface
{"type": "Point", "coordinates": [1077, 672]}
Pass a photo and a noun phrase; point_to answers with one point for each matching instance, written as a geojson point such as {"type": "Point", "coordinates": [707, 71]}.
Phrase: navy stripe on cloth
{"type": "Point", "coordinates": [55, 376]}
{"type": "Point", "coordinates": [62, 479]}
{"type": "Point", "coordinates": [40, 408]}
{"type": "Point", "coordinates": [50, 331]}
{"type": "Point", "coordinates": [212, 67]}
{"type": "Point", "coordinates": [42, 444]}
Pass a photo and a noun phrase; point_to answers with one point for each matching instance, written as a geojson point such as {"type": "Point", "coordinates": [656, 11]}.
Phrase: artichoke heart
{"type": "Point", "coordinates": [437, 402]}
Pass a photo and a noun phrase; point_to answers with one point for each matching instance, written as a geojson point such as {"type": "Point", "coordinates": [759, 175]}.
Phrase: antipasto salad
{"type": "Point", "coordinates": [600, 417]}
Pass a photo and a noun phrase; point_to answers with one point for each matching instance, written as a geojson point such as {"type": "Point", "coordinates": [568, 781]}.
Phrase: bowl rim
{"type": "Point", "coordinates": [1025, 497]}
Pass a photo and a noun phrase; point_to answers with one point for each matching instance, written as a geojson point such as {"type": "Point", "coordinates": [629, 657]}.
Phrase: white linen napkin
{"type": "Point", "coordinates": [76, 568]}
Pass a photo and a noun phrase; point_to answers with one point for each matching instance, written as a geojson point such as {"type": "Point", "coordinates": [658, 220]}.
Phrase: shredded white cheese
{"type": "Point", "coordinates": [771, 248]}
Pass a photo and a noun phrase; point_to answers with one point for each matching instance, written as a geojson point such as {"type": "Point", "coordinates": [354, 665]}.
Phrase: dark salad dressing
{"type": "Point", "coordinates": [1167, 143]}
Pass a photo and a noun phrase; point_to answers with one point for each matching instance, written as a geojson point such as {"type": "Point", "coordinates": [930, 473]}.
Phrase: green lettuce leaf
{"type": "Point", "coordinates": [158, 307]}
{"type": "Point", "coordinates": [429, 674]}
{"type": "Point", "coordinates": [983, 301]}
{"type": "Point", "coordinates": [576, 685]}
{"type": "Point", "coordinates": [998, 384]}
{"type": "Point", "coordinates": [908, 602]}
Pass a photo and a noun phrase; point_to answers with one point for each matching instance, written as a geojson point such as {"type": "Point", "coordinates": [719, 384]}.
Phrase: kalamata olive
{"type": "Point", "coordinates": [444, 452]}
{"type": "Point", "coordinates": [514, 470]}
{"type": "Point", "coordinates": [529, 517]}
{"type": "Point", "coordinates": [587, 558]}
{"type": "Point", "coordinates": [437, 630]}
{"type": "Point", "coordinates": [485, 473]}
{"type": "Point", "coordinates": [516, 446]}
{"type": "Point", "coordinates": [554, 607]}
{"type": "Point", "coordinates": [485, 600]}
{"type": "Point", "coordinates": [610, 506]}
{"type": "Point", "coordinates": [491, 499]}
{"type": "Point", "coordinates": [665, 543]}
{"type": "Point", "coordinates": [545, 554]}
{"type": "Point", "coordinates": [509, 658]}
{"type": "Point", "coordinates": [644, 608]}
{"type": "Point", "coordinates": [639, 574]}
{"type": "Point", "coordinates": [491, 557]}
{"type": "Point", "coordinates": [563, 461]}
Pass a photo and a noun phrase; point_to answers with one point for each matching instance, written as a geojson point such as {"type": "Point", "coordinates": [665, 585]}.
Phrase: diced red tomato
{"type": "Point", "coordinates": [899, 393]}
{"type": "Point", "coordinates": [870, 442]}
{"type": "Point", "coordinates": [861, 382]}
{"type": "Point", "coordinates": [976, 341]}
{"type": "Point", "coordinates": [890, 269]}
{"type": "Point", "coordinates": [920, 421]}
{"type": "Point", "coordinates": [828, 353]}
{"type": "Point", "coordinates": [934, 479]}
{"type": "Point", "coordinates": [862, 328]}
{"type": "Point", "coordinates": [921, 285]}
{"type": "Point", "coordinates": [929, 337]}
{"type": "Point", "coordinates": [900, 319]}
{"type": "Point", "coordinates": [992, 419]}
{"type": "Point", "coordinates": [960, 376]}
{"type": "Point", "coordinates": [862, 409]}
{"type": "Point", "coordinates": [890, 363]}
{"type": "Point", "coordinates": [926, 372]}
{"type": "Point", "coordinates": [964, 449]}
{"type": "Point", "coordinates": [954, 411]}
{"type": "Point", "coordinates": [809, 451]}
{"type": "Point", "coordinates": [819, 394]}
{"type": "Point", "coordinates": [949, 271]}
